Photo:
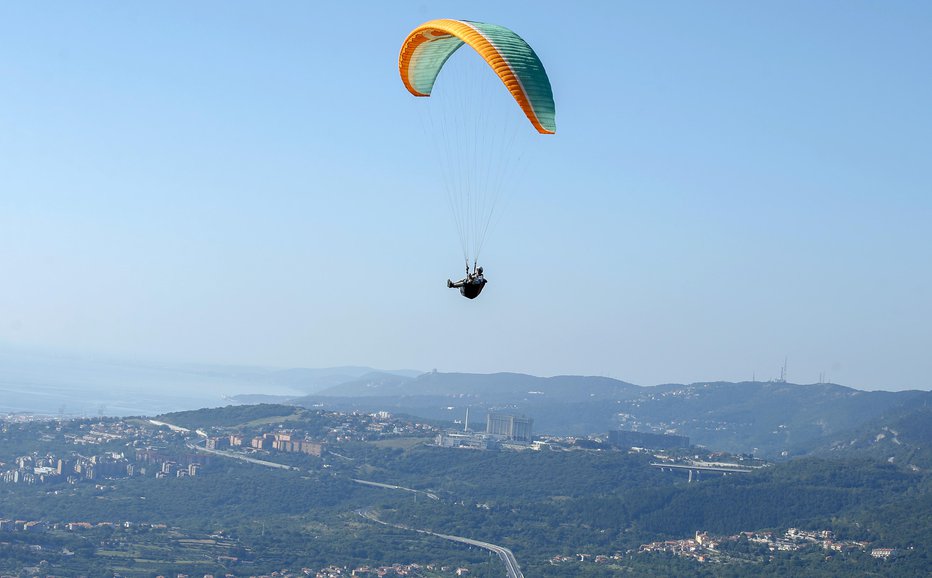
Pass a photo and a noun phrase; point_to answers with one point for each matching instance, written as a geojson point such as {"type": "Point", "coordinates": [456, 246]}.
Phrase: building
{"type": "Point", "coordinates": [476, 441]}
{"type": "Point", "coordinates": [263, 442]}
{"type": "Point", "coordinates": [636, 439]}
{"type": "Point", "coordinates": [511, 427]}
{"type": "Point", "coordinates": [306, 447]}
{"type": "Point", "coordinates": [286, 442]}
{"type": "Point", "coordinates": [217, 443]}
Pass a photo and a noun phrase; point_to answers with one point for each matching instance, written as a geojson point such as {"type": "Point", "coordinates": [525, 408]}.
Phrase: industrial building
{"type": "Point", "coordinates": [510, 427]}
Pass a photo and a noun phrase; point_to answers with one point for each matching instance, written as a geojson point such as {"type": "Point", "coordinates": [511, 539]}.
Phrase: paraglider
{"type": "Point", "coordinates": [470, 286]}
{"type": "Point", "coordinates": [478, 156]}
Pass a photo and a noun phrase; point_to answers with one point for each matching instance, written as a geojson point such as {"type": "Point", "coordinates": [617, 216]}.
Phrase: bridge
{"type": "Point", "coordinates": [694, 469]}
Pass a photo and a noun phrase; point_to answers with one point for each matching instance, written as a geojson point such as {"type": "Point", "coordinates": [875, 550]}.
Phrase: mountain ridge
{"type": "Point", "coordinates": [771, 418]}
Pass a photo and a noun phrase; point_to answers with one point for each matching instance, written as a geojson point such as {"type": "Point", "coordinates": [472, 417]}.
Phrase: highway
{"type": "Point", "coordinates": [511, 563]}
{"type": "Point", "coordinates": [506, 555]}
{"type": "Point", "coordinates": [242, 458]}
{"type": "Point", "coordinates": [430, 495]}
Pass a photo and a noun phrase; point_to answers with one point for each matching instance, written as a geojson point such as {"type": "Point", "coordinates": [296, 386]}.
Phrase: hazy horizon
{"type": "Point", "coordinates": [52, 381]}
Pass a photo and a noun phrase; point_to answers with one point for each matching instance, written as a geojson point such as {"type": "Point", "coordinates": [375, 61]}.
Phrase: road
{"type": "Point", "coordinates": [174, 428]}
{"type": "Point", "coordinates": [430, 495]}
{"type": "Point", "coordinates": [511, 563]}
{"type": "Point", "coordinates": [242, 458]}
{"type": "Point", "coordinates": [506, 555]}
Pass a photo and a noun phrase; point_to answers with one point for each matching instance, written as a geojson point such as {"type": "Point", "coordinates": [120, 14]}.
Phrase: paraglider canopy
{"type": "Point", "coordinates": [428, 47]}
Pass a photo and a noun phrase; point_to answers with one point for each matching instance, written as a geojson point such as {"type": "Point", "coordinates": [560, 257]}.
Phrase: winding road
{"type": "Point", "coordinates": [506, 555]}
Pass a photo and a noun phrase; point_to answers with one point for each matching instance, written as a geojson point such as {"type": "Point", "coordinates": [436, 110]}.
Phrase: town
{"type": "Point", "coordinates": [705, 548]}
{"type": "Point", "coordinates": [101, 454]}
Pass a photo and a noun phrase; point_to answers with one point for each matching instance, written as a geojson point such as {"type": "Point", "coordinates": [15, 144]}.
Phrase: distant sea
{"type": "Point", "coordinates": [47, 383]}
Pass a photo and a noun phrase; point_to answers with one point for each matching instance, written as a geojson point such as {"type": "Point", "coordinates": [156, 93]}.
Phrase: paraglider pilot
{"type": "Point", "coordinates": [471, 285]}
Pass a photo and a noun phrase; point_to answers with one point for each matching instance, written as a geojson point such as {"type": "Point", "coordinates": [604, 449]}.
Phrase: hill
{"type": "Point", "coordinates": [230, 415]}
{"type": "Point", "coordinates": [767, 418]}
{"type": "Point", "coordinates": [902, 436]}
{"type": "Point", "coordinates": [314, 380]}
{"type": "Point", "coordinates": [498, 387]}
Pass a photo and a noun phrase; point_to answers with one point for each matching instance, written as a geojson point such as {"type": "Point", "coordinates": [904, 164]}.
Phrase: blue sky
{"type": "Point", "coordinates": [240, 182]}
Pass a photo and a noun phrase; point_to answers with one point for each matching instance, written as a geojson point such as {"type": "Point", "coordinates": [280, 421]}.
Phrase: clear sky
{"type": "Point", "coordinates": [244, 182]}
